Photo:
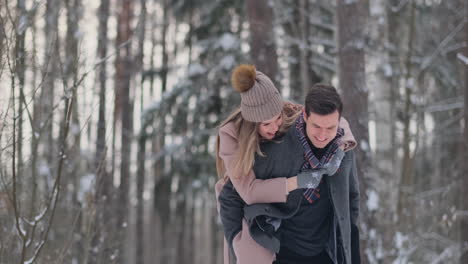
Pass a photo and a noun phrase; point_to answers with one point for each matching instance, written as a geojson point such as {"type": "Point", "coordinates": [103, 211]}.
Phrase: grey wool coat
{"type": "Point", "coordinates": [285, 159]}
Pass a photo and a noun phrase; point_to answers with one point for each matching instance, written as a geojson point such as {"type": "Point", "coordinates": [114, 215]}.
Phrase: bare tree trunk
{"type": "Point", "coordinates": [20, 67]}
{"type": "Point", "coordinates": [74, 13]}
{"type": "Point", "coordinates": [304, 47]}
{"type": "Point", "coordinates": [124, 72]}
{"type": "Point", "coordinates": [100, 250]}
{"type": "Point", "coordinates": [34, 123]}
{"type": "Point", "coordinates": [165, 54]}
{"type": "Point", "coordinates": [262, 39]}
{"type": "Point", "coordinates": [406, 183]}
{"type": "Point", "coordinates": [151, 71]}
{"type": "Point", "coordinates": [190, 33]}
{"type": "Point", "coordinates": [299, 28]}
{"type": "Point", "coordinates": [464, 204]}
{"type": "Point", "coordinates": [162, 193]}
{"type": "Point", "coordinates": [352, 20]}
{"type": "Point", "coordinates": [158, 165]}
{"type": "Point", "coordinates": [140, 235]}
{"type": "Point", "coordinates": [384, 107]}
{"type": "Point", "coordinates": [2, 45]}
{"type": "Point", "coordinates": [292, 30]}
{"type": "Point", "coordinates": [140, 231]}
{"type": "Point", "coordinates": [50, 75]}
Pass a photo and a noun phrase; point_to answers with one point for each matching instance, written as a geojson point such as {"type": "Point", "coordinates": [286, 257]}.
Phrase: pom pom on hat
{"type": "Point", "coordinates": [243, 77]}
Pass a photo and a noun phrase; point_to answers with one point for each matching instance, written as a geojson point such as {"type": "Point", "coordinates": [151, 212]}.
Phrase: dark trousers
{"type": "Point", "coordinates": [285, 258]}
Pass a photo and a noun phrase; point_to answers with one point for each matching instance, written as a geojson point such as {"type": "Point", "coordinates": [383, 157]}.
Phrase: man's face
{"type": "Point", "coordinates": [321, 129]}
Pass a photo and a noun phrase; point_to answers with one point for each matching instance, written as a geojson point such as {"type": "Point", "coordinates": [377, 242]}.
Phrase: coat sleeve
{"type": "Point", "coordinates": [231, 212]}
{"type": "Point", "coordinates": [250, 189]}
{"type": "Point", "coordinates": [354, 198]}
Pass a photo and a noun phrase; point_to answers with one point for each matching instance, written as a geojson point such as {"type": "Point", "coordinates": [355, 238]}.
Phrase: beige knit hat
{"type": "Point", "coordinates": [260, 100]}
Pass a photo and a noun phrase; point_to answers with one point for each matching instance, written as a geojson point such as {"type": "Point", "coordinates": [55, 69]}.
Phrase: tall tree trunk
{"type": "Point", "coordinates": [165, 54]}
{"type": "Point", "coordinates": [406, 182]}
{"type": "Point", "coordinates": [384, 107]}
{"type": "Point", "coordinates": [20, 67]}
{"type": "Point", "coordinates": [162, 192]}
{"type": "Point", "coordinates": [140, 234]}
{"type": "Point", "coordinates": [124, 70]}
{"type": "Point", "coordinates": [262, 37]}
{"type": "Point", "coordinates": [50, 75]}
{"type": "Point", "coordinates": [34, 123]}
{"type": "Point", "coordinates": [151, 71]}
{"type": "Point", "coordinates": [294, 64]}
{"type": "Point", "coordinates": [74, 14]}
{"type": "Point", "coordinates": [2, 43]}
{"type": "Point", "coordinates": [464, 204]}
{"type": "Point", "coordinates": [190, 33]}
{"type": "Point", "coordinates": [352, 22]}
{"type": "Point", "coordinates": [42, 142]}
{"type": "Point", "coordinates": [102, 231]}
{"type": "Point", "coordinates": [160, 123]}
{"type": "Point", "coordinates": [304, 46]}
{"type": "Point", "coordinates": [299, 28]}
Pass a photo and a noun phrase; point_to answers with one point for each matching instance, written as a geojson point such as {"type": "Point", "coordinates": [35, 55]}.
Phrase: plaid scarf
{"type": "Point", "coordinates": [311, 161]}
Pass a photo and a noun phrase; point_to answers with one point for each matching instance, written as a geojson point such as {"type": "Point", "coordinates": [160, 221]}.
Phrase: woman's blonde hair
{"type": "Point", "coordinates": [249, 140]}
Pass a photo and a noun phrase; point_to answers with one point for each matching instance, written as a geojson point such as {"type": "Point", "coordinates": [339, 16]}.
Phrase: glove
{"type": "Point", "coordinates": [311, 178]}
{"type": "Point", "coordinates": [334, 164]}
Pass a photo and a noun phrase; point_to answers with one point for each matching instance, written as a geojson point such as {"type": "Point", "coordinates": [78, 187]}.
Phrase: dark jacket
{"type": "Point", "coordinates": [284, 159]}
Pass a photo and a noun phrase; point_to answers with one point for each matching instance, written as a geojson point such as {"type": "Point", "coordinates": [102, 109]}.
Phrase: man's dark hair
{"type": "Point", "coordinates": [323, 99]}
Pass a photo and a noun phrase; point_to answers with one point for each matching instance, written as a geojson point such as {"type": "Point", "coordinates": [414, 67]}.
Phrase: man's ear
{"type": "Point", "coordinates": [304, 115]}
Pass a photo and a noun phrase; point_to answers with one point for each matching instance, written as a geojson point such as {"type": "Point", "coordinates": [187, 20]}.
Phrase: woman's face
{"type": "Point", "coordinates": [267, 129]}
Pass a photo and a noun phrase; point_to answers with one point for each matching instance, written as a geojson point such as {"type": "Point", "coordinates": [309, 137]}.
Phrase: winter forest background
{"type": "Point", "coordinates": [109, 110]}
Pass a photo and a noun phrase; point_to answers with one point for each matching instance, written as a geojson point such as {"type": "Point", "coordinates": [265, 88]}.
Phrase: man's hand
{"type": "Point", "coordinates": [311, 178]}
{"type": "Point", "coordinates": [334, 164]}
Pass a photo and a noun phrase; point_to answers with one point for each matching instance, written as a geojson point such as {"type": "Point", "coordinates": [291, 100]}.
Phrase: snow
{"type": "Point", "coordinates": [21, 227]}
{"type": "Point", "coordinates": [41, 215]}
{"type": "Point", "coordinates": [387, 70]}
{"type": "Point", "coordinates": [36, 219]}
{"type": "Point", "coordinates": [196, 69]}
{"type": "Point", "coordinates": [22, 25]}
{"type": "Point", "coordinates": [376, 8]}
{"type": "Point", "coordinates": [85, 186]}
{"type": "Point", "coordinates": [75, 129]}
{"type": "Point", "coordinates": [196, 184]}
{"type": "Point", "coordinates": [364, 145]}
{"type": "Point", "coordinates": [372, 200]}
{"type": "Point", "coordinates": [463, 58]}
{"type": "Point", "coordinates": [399, 239]}
{"type": "Point", "coordinates": [44, 169]}
{"type": "Point", "coordinates": [228, 42]}
{"type": "Point", "coordinates": [410, 83]}
{"type": "Point", "coordinates": [34, 256]}
{"type": "Point", "coordinates": [227, 62]}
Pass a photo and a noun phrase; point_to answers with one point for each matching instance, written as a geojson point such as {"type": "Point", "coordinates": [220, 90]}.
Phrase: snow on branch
{"type": "Point", "coordinates": [445, 105]}
{"type": "Point", "coordinates": [157, 106]}
{"type": "Point", "coordinates": [171, 149]}
{"type": "Point", "coordinates": [462, 58]}
{"type": "Point", "coordinates": [428, 60]}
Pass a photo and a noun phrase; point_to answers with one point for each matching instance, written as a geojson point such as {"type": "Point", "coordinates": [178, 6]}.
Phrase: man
{"type": "Point", "coordinates": [314, 225]}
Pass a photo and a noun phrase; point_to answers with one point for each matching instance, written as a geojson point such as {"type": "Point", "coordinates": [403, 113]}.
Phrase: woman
{"type": "Point", "coordinates": [263, 115]}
